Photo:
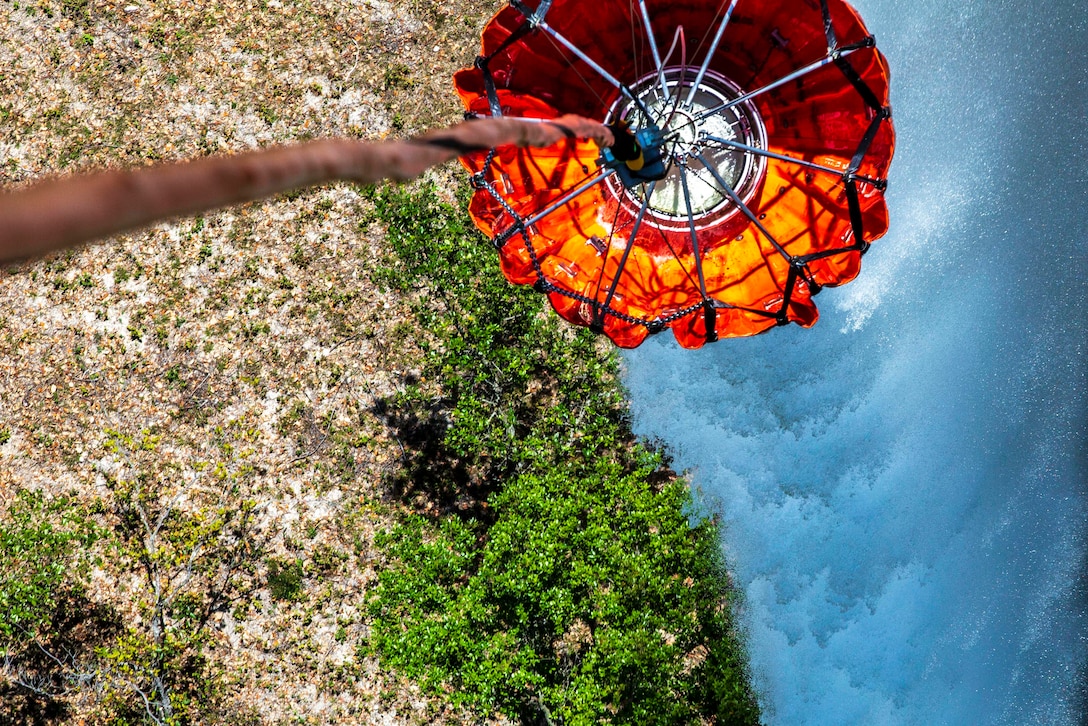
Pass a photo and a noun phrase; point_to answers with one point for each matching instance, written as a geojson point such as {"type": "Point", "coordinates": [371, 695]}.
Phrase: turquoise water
{"type": "Point", "coordinates": [905, 486]}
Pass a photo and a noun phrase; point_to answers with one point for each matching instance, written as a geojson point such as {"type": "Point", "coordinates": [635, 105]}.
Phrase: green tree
{"type": "Point", "coordinates": [549, 566]}
{"type": "Point", "coordinates": [190, 561]}
{"type": "Point", "coordinates": [44, 559]}
{"type": "Point", "coordinates": [46, 547]}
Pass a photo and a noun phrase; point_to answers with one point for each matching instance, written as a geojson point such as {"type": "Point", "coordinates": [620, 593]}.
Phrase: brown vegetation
{"type": "Point", "coordinates": [205, 386]}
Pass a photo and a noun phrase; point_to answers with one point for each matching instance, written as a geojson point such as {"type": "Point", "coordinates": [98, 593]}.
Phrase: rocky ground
{"type": "Point", "coordinates": [207, 386]}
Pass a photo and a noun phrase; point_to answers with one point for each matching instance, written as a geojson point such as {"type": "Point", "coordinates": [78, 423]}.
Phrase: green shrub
{"type": "Point", "coordinates": [548, 567]}
{"type": "Point", "coordinates": [43, 559]}
{"type": "Point", "coordinates": [284, 579]}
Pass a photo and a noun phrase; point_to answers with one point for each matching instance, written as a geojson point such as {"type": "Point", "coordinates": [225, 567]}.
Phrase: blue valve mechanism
{"type": "Point", "coordinates": [637, 157]}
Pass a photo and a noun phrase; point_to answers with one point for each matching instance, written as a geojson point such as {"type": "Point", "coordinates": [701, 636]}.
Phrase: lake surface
{"type": "Point", "coordinates": [904, 488]}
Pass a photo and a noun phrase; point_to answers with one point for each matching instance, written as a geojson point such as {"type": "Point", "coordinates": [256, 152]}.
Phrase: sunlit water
{"type": "Point", "coordinates": [905, 486]}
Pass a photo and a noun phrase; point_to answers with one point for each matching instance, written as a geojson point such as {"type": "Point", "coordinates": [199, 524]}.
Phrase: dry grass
{"type": "Point", "coordinates": [243, 348]}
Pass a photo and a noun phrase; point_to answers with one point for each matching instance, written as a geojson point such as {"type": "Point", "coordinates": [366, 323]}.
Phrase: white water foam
{"type": "Point", "coordinates": [903, 487]}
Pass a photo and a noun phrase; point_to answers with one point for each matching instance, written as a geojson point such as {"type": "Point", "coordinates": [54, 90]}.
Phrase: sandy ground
{"type": "Point", "coordinates": [233, 356]}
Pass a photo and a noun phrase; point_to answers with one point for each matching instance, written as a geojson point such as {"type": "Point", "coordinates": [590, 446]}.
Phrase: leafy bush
{"type": "Point", "coordinates": [284, 579]}
{"type": "Point", "coordinates": [548, 567]}
{"type": "Point", "coordinates": [48, 626]}
{"type": "Point", "coordinates": [43, 560]}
